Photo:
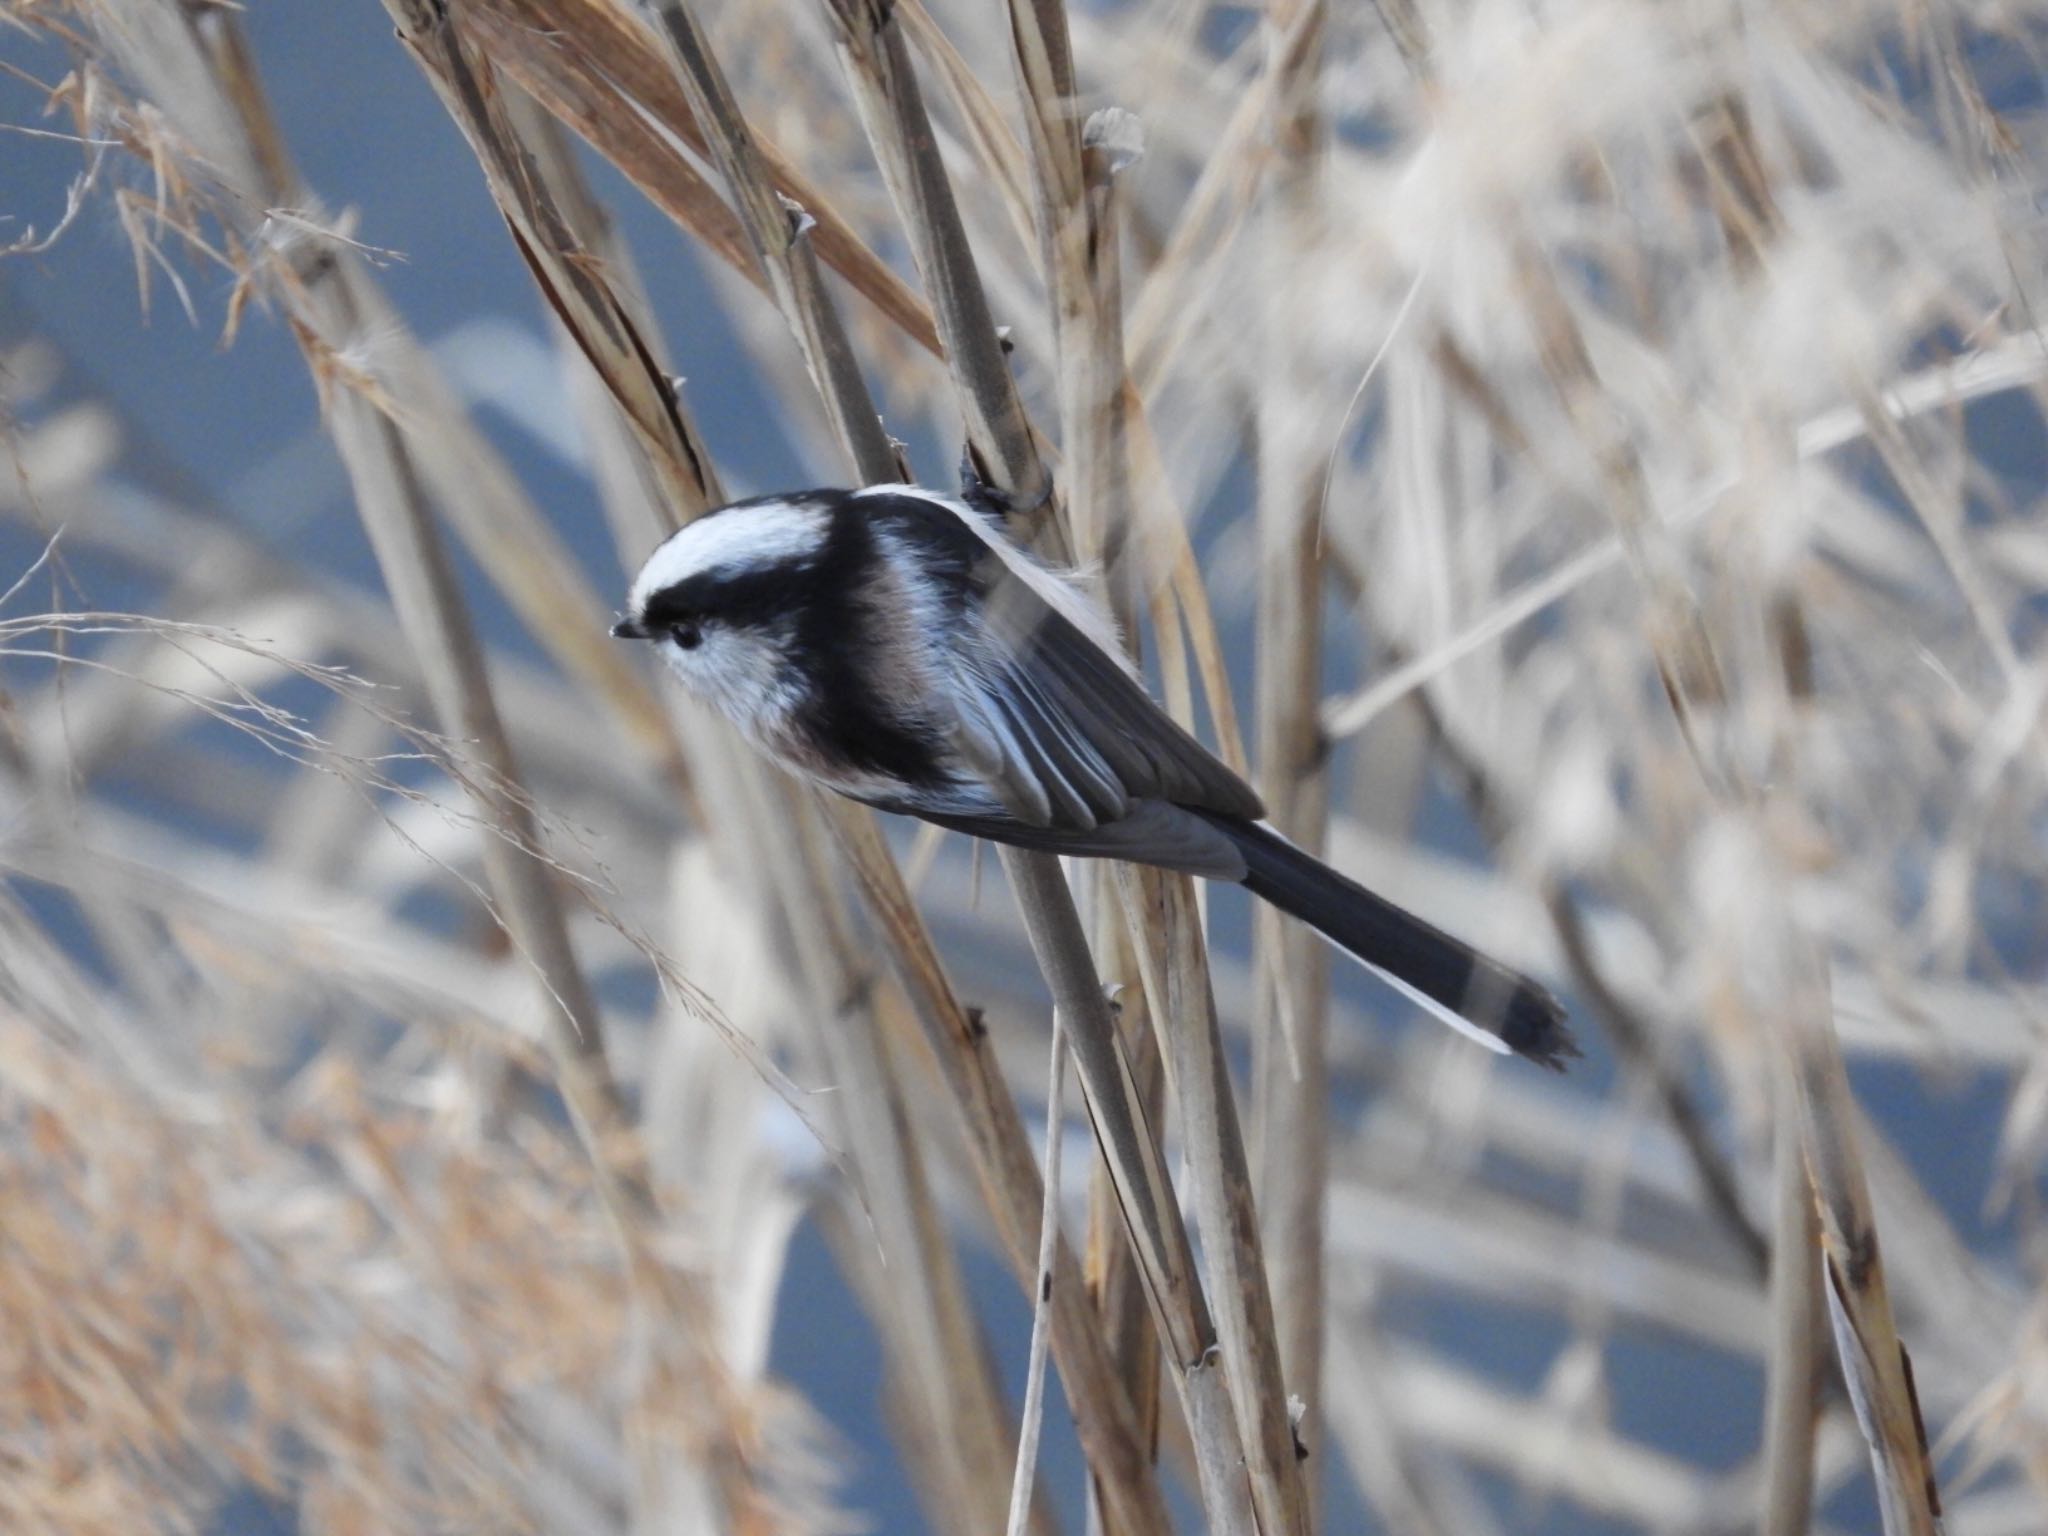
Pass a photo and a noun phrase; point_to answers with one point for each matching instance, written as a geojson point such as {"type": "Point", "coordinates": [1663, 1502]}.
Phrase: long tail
{"type": "Point", "coordinates": [1500, 1008]}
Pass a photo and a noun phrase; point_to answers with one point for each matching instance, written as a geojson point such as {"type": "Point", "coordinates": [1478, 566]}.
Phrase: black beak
{"type": "Point", "coordinates": [627, 629]}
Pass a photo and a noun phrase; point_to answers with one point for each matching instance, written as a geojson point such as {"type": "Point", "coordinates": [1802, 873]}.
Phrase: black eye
{"type": "Point", "coordinates": [686, 634]}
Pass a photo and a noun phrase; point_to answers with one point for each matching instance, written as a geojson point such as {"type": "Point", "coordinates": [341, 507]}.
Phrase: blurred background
{"type": "Point", "coordinates": [1591, 453]}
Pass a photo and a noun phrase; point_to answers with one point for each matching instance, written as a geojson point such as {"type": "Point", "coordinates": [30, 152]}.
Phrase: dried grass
{"type": "Point", "coordinates": [1643, 410]}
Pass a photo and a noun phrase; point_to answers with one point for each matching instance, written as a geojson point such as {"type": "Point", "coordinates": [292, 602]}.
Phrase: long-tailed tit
{"type": "Point", "coordinates": [894, 645]}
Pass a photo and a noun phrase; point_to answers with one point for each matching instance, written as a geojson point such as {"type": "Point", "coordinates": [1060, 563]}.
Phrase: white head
{"type": "Point", "coordinates": [721, 601]}
{"type": "Point", "coordinates": [734, 541]}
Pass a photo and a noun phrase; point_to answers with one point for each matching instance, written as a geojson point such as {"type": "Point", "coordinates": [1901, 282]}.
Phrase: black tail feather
{"type": "Point", "coordinates": [1518, 1012]}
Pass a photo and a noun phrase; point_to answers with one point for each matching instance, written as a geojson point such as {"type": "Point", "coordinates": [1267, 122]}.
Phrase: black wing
{"type": "Point", "coordinates": [1055, 727]}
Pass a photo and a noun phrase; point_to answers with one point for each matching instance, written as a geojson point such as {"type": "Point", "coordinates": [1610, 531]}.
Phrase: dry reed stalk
{"type": "Point", "coordinates": [1290, 1072]}
{"type": "Point", "coordinates": [1151, 484]}
{"type": "Point", "coordinates": [1239, 161]}
{"type": "Point", "coordinates": [995, 144]}
{"type": "Point", "coordinates": [498, 523]}
{"type": "Point", "coordinates": [1078, 228]}
{"type": "Point", "coordinates": [1793, 1393]}
{"type": "Point", "coordinates": [1174, 964]}
{"type": "Point", "coordinates": [963, 1433]}
{"type": "Point", "coordinates": [1195, 1361]}
{"type": "Point", "coordinates": [1114, 1281]}
{"type": "Point", "coordinates": [999, 437]}
{"type": "Point", "coordinates": [198, 68]}
{"type": "Point", "coordinates": [501, 528]}
{"type": "Point", "coordinates": [1052, 117]}
{"type": "Point", "coordinates": [606, 333]}
{"type": "Point", "coordinates": [586, 59]}
{"type": "Point", "coordinates": [1072, 171]}
{"type": "Point", "coordinates": [1012, 1190]}
{"type": "Point", "coordinates": [1033, 1411]}
{"type": "Point", "coordinates": [891, 106]}
{"type": "Point", "coordinates": [779, 230]}
{"type": "Point", "coordinates": [1874, 1363]}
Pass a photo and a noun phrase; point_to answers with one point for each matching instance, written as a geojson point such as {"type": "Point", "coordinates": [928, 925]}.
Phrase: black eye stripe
{"type": "Point", "coordinates": [745, 599]}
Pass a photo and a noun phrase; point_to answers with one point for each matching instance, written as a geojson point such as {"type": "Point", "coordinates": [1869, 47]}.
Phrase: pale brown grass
{"type": "Point", "coordinates": [1584, 409]}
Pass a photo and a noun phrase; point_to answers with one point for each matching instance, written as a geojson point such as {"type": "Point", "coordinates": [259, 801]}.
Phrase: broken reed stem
{"type": "Point", "coordinates": [1875, 1367]}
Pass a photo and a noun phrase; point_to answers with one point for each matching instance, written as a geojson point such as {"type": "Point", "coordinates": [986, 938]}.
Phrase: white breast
{"type": "Point", "coordinates": [741, 674]}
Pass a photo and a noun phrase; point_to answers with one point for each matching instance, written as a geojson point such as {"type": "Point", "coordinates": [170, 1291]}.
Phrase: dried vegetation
{"type": "Point", "coordinates": [1615, 428]}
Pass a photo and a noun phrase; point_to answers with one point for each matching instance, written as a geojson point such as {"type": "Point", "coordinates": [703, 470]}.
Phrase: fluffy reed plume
{"type": "Point", "coordinates": [1612, 430]}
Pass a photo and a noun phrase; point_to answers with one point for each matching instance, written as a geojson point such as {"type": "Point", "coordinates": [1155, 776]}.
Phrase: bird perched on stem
{"type": "Point", "coordinates": [894, 645]}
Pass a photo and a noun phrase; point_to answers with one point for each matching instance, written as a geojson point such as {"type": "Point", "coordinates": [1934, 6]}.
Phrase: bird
{"type": "Point", "coordinates": [894, 644]}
